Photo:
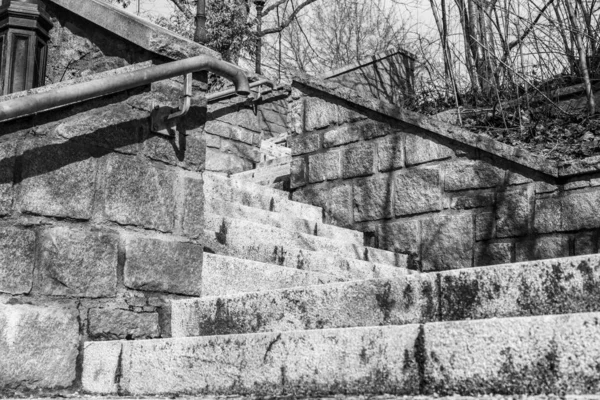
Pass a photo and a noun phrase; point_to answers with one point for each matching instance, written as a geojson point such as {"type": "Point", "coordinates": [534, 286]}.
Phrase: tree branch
{"type": "Point", "coordinates": [183, 8]}
{"type": "Point", "coordinates": [288, 21]}
{"type": "Point", "coordinates": [527, 31]}
{"type": "Point", "coordinates": [273, 6]}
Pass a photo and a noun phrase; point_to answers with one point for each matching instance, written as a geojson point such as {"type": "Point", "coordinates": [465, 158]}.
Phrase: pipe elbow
{"type": "Point", "coordinates": [242, 86]}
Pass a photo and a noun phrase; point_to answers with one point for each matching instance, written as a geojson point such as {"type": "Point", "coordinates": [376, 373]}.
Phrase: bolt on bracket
{"type": "Point", "coordinates": [164, 119]}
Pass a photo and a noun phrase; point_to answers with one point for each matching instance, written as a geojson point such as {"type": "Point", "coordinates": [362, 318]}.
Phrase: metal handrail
{"type": "Point", "coordinates": [39, 102]}
{"type": "Point", "coordinates": [214, 97]}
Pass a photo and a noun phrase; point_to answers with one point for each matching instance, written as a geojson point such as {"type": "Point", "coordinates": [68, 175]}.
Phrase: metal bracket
{"type": "Point", "coordinates": [164, 119]}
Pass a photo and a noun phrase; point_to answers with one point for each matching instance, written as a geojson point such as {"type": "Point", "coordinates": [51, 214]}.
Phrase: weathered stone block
{"type": "Point", "coordinates": [586, 243]}
{"type": "Point", "coordinates": [513, 212]}
{"type": "Point", "coordinates": [548, 215]}
{"type": "Point", "coordinates": [193, 206]}
{"type": "Point", "coordinates": [542, 248]}
{"type": "Point", "coordinates": [372, 199]}
{"type": "Point", "coordinates": [469, 174]}
{"type": "Point", "coordinates": [417, 190]}
{"type": "Point", "coordinates": [139, 193]}
{"type": "Point", "coordinates": [218, 128]}
{"type": "Point", "coordinates": [336, 202]}
{"type": "Point", "coordinates": [552, 354]}
{"type": "Point", "coordinates": [420, 150]}
{"type": "Point", "coordinates": [212, 141]}
{"type": "Point", "coordinates": [324, 166]}
{"type": "Point", "coordinates": [243, 150]}
{"type": "Point", "coordinates": [400, 236]}
{"type": "Point", "coordinates": [216, 161]}
{"type": "Point", "coordinates": [319, 113]}
{"type": "Point", "coordinates": [58, 179]}
{"type": "Point", "coordinates": [373, 129]}
{"type": "Point", "coordinates": [390, 151]}
{"type": "Point", "coordinates": [242, 135]}
{"type": "Point", "coordinates": [544, 187]}
{"type": "Point", "coordinates": [304, 143]}
{"type": "Point", "coordinates": [7, 171]}
{"type": "Point", "coordinates": [243, 118]}
{"type": "Point", "coordinates": [17, 258]}
{"type": "Point", "coordinates": [341, 135]}
{"type": "Point", "coordinates": [115, 324]}
{"type": "Point", "coordinates": [298, 173]}
{"type": "Point", "coordinates": [447, 242]}
{"type": "Point", "coordinates": [580, 211]}
{"type": "Point", "coordinates": [39, 347]}
{"type": "Point", "coordinates": [75, 262]}
{"type": "Point", "coordinates": [187, 151]}
{"type": "Point", "coordinates": [484, 226]}
{"type": "Point", "coordinates": [514, 178]}
{"type": "Point", "coordinates": [358, 160]}
{"type": "Point", "coordinates": [493, 253]}
{"type": "Point", "coordinates": [163, 266]}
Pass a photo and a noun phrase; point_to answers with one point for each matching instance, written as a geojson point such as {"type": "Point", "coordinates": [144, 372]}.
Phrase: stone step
{"type": "Point", "coordinates": [222, 276]}
{"type": "Point", "coordinates": [246, 232]}
{"type": "Point", "coordinates": [265, 251]}
{"type": "Point", "coordinates": [559, 286]}
{"type": "Point", "coordinates": [220, 188]}
{"type": "Point", "coordinates": [527, 355]}
{"type": "Point", "coordinates": [407, 300]}
{"type": "Point", "coordinates": [283, 221]}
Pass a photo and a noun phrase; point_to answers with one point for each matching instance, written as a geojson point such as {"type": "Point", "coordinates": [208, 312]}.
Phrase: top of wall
{"type": "Point", "coordinates": [482, 142]}
{"type": "Point", "coordinates": [136, 30]}
{"type": "Point", "coordinates": [368, 61]}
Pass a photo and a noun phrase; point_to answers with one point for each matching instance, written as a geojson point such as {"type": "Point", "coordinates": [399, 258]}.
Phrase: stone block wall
{"type": "Point", "coordinates": [235, 128]}
{"type": "Point", "coordinates": [447, 204]}
{"type": "Point", "coordinates": [100, 224]}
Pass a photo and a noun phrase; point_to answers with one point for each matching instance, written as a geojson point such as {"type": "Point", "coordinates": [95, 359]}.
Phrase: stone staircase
{"type": "Point", "coordinates": [293, 306]}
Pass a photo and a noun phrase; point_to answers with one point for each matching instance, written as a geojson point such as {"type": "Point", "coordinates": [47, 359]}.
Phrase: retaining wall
{"type": "Point", "coordinates": [449, 198]}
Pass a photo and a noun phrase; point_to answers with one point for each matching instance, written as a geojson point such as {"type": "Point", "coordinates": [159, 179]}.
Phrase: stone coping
{"type": "Point", "coordinates": [367, 61]}
{"type": "Point", "coordinates": [87, 78]}
{"type": "Point", "coordinates": [136, 30]}
{"type": "Point", "coordinates": [482, 142]}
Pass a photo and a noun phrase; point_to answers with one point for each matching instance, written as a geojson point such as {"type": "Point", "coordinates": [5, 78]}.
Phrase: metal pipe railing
{"type": "Point", "coordinates": [211, 98]}
{"type": "Point", "coordinates": [35, 103]}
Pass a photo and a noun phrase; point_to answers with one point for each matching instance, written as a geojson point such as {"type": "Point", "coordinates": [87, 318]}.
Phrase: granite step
{"type": "Point", "coordinates": [525, 355]}
{"type": "Point", "coordinates": [266, 251]}
{"type": "Point", "coordinates": [220, 188]}
{"type": "Point", "coordinates": [284, 221]}
{"type": "Point", "coordinates": [559, 286]}
{"type": "Point", "coordinates": [246, 232]}
{"type": "Point", "coordinates": [222, 276]}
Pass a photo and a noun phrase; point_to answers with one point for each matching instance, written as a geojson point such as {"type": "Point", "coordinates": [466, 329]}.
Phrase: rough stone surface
{"type": "Point", "coordinates": [542, 247]}
{"type": "Point", "coordinates": [447, 242]}
{"type": "Point", "coordinates": [580, 211]}
{"type": "Point", "coordinates": [555, 286]}
{"type": "Point", "coordinates": [468, 174]}
{"type": "Point", "coordinates": [417, 190]}
{"type": "Point", "coordinates": [372, 198]}
{"type": "Point", "coordinates": [222, 276]}
{"type": "Point", "coordinates": [58, 179]}
{"type": "Point", "coordinates": [17, 258]}
{"type": "Point", "coordinates": [336, 202]}
{"type": "Point", "coordinates": [548, 215]}
{"type": "Point", "coordinates": [8, 157]}
{"type": "Point", "coordinates": [218, 161]}
{"type": "Point", "coordinates": [472, 200]}
{"type": "Point", "coordinates": [304, 143]}
{"type": "Point", "coordinates": [390, 152]}
{"type": "Point", "coordinates": [412, 299]}
{"type": "Point", "coordinates": [357, 360]}
{"type": "Point", "coordinates": [76, 262]}
{"type": "Point", "coordinates": [39, 347]}
{"type": "Point", "coordinates": [586, 243]}
{"type": "Point", "coordinates": [420, 150]}
{"type": "Point", "coordinates": [101, 363]}
{"type": "Point", "coordinates": [139, 193]}
{"type": "Point", "coordinates": [493, 253]}
{"type": "Point", "coordinates": [341, 135]}
{"type": "Point", "coordinates": [319, 113]}
{"type": "Point", "coordinates": [193, 206]}
{"type": "Point", "coordinates": [357, 160]}
{"type": "Point", "coordinates": [400, 236]}
{"type": "Point", "coordinates": [163, 266]}
{"type": "Point", "coordinates": [324, 166]}
{"type": "Point", "coordinates": [114, 324]}
{"type": "Point", "coordinates": [552, 354]}
{"type": "Point", "coordinates": [513, 213]}
{"type": "Point", "coordinates": [484, 226]}
{"type": "Point", "coordinates": [298, 173]}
